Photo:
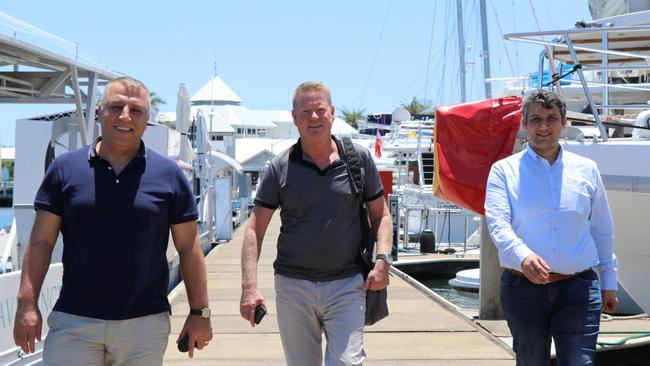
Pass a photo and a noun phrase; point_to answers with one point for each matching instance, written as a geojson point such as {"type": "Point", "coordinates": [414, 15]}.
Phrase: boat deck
{"type": "Point", "coordinates": [419, 331]}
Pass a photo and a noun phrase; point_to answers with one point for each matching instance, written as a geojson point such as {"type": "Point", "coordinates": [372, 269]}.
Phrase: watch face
{"type": "Point", "coordinates": [205, 312]}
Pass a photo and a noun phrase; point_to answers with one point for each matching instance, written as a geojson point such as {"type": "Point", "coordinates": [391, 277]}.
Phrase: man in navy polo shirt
{"type": "Point", "coordinates": [114, 203]}
{"type": "Point", "coordinates": [319, 285]}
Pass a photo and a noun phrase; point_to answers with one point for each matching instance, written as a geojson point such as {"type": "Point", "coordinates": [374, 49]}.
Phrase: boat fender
{"type": "Point", "coordinates": [427, 241]}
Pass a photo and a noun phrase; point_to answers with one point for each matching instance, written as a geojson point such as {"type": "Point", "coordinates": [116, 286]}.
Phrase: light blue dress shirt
{"type": "Point", "coordinates": [558, 212]}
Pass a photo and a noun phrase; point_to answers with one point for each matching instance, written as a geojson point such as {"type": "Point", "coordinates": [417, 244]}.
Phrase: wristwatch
{"type": "Point", "coordinates": [385, 257]}
{"type": "Point", "coordinates": [203, 312]}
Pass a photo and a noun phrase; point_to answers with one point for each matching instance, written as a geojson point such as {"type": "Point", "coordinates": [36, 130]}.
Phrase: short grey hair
{"type": "Point", "coordinates": [312, 85]}
{"type": "Point", "coordinates": [127, 80]}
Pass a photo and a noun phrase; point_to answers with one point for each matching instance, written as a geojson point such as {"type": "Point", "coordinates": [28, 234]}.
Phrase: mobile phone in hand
{"type": "Point", "coordinates": [260, 311]}
{"type": "Point", "coordinates": [183, 345]}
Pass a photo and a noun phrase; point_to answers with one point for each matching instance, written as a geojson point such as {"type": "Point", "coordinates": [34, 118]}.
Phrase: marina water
{"type": "Point", "coordinates": [6, 216]}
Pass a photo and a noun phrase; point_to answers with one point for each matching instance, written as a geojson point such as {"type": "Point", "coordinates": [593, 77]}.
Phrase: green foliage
{"type": "Point", "coordinates": [155, 100]}
{"type": "Point", "coordinates": [418, 106]}
{"type": "Point", "coordinates": [10, 166]}
{"type": "Point", "coordinates": [351, 116]}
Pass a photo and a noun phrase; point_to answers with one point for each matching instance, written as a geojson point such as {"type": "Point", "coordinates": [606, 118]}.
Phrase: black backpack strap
{"type": "Point", "coordinates": [353, 162]}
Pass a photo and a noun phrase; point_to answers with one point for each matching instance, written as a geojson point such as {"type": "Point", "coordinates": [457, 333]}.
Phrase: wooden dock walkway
{"type": "Point", "coordinates": [419, 331]}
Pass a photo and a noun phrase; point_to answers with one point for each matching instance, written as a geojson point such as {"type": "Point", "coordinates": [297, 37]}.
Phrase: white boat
{"type": "Point", "coordinates": [616, 48]}
{"type": "Point", "coordinates": [407, 153]}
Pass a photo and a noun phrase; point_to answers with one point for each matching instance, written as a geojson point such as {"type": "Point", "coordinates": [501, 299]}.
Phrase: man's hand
{"type": "Point", "coordinates": [250, 298]}
{"type": "Point", "coordinates": [378, 277]}
{"type": "Point", "coordinates": [610, 301]}
{"type": "Point", "coordinates": [535, 269]}
{"type": "Point", "coordinates": [199, 332]}
{"type": "Point", "coordinates": [27, 326]}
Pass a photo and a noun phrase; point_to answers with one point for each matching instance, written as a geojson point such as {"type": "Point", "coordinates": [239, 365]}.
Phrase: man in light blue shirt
{"type": "Point", "coordinates": [548, 215]}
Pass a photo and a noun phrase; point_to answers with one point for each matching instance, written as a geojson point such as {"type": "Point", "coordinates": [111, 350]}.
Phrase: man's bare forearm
{"type": "Point", "coordinates": [250, 253]}
{"type": "Point", "coordinates": [35, 265]}
{"type": "Point", "coordinates": [385, 233]}
{"type": "Point", "coordinates": [194, 275]}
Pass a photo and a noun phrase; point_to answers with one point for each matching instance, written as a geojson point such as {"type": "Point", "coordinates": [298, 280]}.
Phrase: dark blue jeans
{"type": "Point", "coordinates": [568, 311]}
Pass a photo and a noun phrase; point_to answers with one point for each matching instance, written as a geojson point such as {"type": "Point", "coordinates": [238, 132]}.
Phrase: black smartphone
{"type": "Point", "coordinates": [183, 345]}
{"type": "Point", "coordinates": [260, 311]}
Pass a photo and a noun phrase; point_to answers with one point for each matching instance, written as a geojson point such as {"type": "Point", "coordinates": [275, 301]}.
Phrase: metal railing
{"type": "Point", "coordinates": [636, 58]}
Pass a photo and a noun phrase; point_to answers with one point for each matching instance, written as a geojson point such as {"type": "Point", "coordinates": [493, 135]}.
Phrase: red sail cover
{"type": "Point", "coordinates": [468, 139]}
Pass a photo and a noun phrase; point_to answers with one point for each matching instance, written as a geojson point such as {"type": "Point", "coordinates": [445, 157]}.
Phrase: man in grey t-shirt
{"type": "Point", "coordinates": [318, 271]}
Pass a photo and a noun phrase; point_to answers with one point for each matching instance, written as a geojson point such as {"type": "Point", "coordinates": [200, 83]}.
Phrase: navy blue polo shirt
{"type": "Point", "coordinates": [115, 230]}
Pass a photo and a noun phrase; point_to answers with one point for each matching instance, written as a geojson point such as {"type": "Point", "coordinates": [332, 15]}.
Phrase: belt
{"type": "Point", "coordinates": [552, 277]}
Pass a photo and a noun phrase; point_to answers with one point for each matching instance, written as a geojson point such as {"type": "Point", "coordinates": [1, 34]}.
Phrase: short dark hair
{"type": "Point", "coordinates": [546, 98]}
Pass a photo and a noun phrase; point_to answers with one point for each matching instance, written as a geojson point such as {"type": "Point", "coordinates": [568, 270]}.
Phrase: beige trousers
{"type": "Point", "coordinates": [77, 340]}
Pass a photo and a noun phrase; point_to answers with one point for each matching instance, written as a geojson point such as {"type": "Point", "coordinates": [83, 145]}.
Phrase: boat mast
{"type": "Point", "coordinates": [461, 49]}
{"type": "Point", "coordinates": [486, 51]}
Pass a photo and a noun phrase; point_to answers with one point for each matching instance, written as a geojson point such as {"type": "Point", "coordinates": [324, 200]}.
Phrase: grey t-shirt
{"type": "Point", "coordinates": [320, 235]}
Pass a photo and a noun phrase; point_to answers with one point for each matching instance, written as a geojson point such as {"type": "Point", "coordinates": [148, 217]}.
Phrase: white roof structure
{"type": "Point", "coordinates": [339, 128]}
{"type": "Point", "coordinates": [215, 122]}
{"type": "Point", "coordinates": [276, 116]}
{"type": "Point", "coordinates": [240, 116]}
{"type": "Point", "coordinates": [215, 90]}
{"type": "Point", "coordinates": [217, 96]}
{"type": "Point", "coordinates": [7, 153]}
{"type": "Point", "coordinates": [247, 148]}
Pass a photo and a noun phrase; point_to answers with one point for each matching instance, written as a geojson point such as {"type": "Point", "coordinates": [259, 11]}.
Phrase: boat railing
{"type": "Point", "coordinates": [579, 47]}
{"type": "Point", "coordinates": [445, 212]}
{"type": "Point", "coordinates": [5, 265]}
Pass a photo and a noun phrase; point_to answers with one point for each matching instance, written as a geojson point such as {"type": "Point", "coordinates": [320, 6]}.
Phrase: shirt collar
{"type": "Point", "coordinates": [92, 150]}
{"type": "Point", "coordinates": [297, 153]}
{"type": "Point", "coordinates": [535, 156]}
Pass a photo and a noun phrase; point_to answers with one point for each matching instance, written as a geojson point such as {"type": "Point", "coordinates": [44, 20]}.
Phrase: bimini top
{"type": "Point", "coordinates": [31, 71]}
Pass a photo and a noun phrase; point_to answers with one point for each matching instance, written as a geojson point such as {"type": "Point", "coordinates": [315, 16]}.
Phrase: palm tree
{"type": "Point", "coordinates": [418, 106]}
{"type": "Point", "coordinates": [351, 116]}
{"type": "Point", "coordinates": [155, 100]}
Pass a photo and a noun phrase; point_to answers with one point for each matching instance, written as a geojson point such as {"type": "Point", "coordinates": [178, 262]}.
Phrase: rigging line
{"type": "Point", "coordinates": [441, 85]}
{"type": "Point", "coordinates": [471, 58]}
{"type": "Point", "coordinates": [496, 17]}
{"type": "Point", "coordinates": [433, 24]}
{"type": "Point", "coordinates": [415, 79]}
{"type": "Point", "coordinates": [532, 8]}
{"type": "Point", "coordinates": [374, 56]}
{"type": "Point", "coordinates": [516, 44]}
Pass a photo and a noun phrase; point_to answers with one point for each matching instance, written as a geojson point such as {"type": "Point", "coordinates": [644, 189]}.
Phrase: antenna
{"type": "Point", "coordinates": [212, 98]}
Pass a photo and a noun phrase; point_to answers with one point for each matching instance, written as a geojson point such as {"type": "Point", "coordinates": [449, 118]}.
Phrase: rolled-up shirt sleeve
{"type": "Point", "coordinates": [498, 212]}
{"type": "Point", "coordinates": [602, 232]}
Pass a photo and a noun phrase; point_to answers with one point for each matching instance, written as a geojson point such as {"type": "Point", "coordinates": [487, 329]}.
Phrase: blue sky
{"type": "Point", "coordinates": [374, 54]}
